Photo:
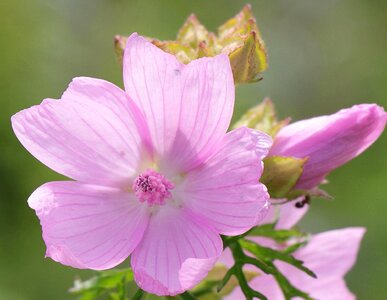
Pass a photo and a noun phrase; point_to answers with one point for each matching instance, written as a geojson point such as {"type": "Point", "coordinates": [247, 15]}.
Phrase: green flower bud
{"type": "Point", "coordinates": [239, 38]}
{"type": "Point", "coordinates": [262, 117]}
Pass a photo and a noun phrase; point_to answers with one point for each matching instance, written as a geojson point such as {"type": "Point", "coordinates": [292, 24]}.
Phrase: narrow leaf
{"type": "Point", "coordinates": [279, 235]}
{"type": "Point", "coordinates": [268, 255]}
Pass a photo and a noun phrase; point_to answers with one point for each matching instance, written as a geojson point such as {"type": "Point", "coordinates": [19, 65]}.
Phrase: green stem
{"type": "Point", "coordinates": [138, 295]}
{"type": "Point", "coordinates": [123, 289]}
{"type": "Point", "coordinates": [187, 296]}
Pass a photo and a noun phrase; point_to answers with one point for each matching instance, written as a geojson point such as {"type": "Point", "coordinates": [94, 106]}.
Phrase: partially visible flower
{"type": "Point", "coordinates": [156, 175]}
{"type": "Point", "coordinates": [239, 38]}
{"type": "Point", "coordinates": [328, 142]}
{"type": "Point", "coordinates": [330, 255]}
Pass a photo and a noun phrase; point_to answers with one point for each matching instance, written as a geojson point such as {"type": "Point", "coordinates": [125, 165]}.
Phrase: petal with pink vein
{"type": "Point", "coordinates": [225, 190]}
{"type": "Point", "coordinates": [188, 107]}
{"type": "Point", "coordinates": [176, 253]}
{"type": "Point", "coordinates": [94, 134]}
{"type": "Point", "coordinates": [87, 226]}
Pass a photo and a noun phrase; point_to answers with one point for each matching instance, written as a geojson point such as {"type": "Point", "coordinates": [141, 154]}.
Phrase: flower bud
{"type": "Point", "coordinates": [262, 117]}
{"type": "Point", "coordinates": [239, 38]}
{"type": "Point", "coordinates": [328, 142]}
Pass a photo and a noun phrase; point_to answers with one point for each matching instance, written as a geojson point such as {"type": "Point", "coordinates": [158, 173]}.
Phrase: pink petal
{"type": "Point", "coordinates": [330, 141]}
{"type": "Point", "coordinates": [336, 248]}
{"type": "Point", "coordinates": [188, 107]}
{"type": "Point", "coordinates": [87, 226]}
{"type": "Point", "coordinates": [225, 190]}
{"type": "Point", "coordinates": [330, 255]}
{"type": "Point", "coordinates": [176, 252]}
{"type": "Point", "coordinates": [93, 134]}
{"type": "Point", "coordinates": [287, 215]}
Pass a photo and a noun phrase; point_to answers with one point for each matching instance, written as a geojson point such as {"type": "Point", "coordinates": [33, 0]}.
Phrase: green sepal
{"type": "Point", "coordinates": [281, 174]}
{"type": "Point", "coordinates": [262, 117]}
{"type": "Point", "coordinates": [192, 33]}
{"type": "Point", "coordinates": [182, 52]}
{"type": "Point", "coordinates": [316, 192]}
{"type": "Point", "coordinates": [119, 46]}
{"type": "Point", "coordinates": [239, 38]}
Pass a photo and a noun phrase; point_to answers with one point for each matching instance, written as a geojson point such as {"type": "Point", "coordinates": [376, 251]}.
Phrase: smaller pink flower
{"type": "Point", "coordinates": [330, 141]}
{"type": "Point", "coordinates": [330, 255]}
{"type": "Point", "coordinates": [156, 176]}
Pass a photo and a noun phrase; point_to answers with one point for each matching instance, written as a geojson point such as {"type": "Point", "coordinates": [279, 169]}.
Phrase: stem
{"type": "Point", "coordinates": [123, 289]}
{"type": "Point", "coordinates": [138, 295]}
{"type": "Point", "coordinates": [187, 296]}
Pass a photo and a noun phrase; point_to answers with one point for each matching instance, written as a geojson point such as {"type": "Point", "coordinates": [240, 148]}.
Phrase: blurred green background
{"type": "Point", "coordinates": [324, 55]}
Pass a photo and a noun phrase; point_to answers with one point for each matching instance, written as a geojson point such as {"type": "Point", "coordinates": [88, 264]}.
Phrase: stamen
{"type": "Point", "coordinates": [152, 187]}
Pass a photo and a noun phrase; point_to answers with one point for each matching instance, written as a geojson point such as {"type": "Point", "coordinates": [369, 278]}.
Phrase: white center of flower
{"type": "Point", "coordinates": [152, 187]}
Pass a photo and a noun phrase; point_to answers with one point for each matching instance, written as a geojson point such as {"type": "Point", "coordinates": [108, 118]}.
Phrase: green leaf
{"type": "Point", "coordinates": [288, 289]}
{"type": "Point", "coordinates": [268, 255]}
{"type": "Point", "coordinates": [262, 117]}
{"type": "Point", "coordinates": [101, 283]}
{"type": "Point", "coordinates": [213, 280]}
{"type": "Point", "coordinates": [293, 248]}
{"type": "Point", "coordinates": [281, 174]}
{"type": "Point", "coordinates": [279, 235]}
{"type": "Point", "coordinates": [237, 271]}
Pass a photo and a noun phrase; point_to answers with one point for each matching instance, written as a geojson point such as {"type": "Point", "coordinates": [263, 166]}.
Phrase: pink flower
{"type": "Point", "coordinates": [330, 255]}
{"type": "Point", "coordinates": [330, 141]}
{"type": "Point", "coordinates": [156, 175]}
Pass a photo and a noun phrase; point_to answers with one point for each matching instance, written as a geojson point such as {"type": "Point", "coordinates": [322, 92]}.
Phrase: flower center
{"type": "Point", "coordinates": [152, 187]}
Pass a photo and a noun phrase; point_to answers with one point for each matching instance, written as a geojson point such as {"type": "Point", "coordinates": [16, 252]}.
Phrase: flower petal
{"type": "Point", "coordinates": [263, 283]}
{"type": "Point", "coordinates": [329, 254]}
{"type": "Point", "coordinates": [225, 190]}
{"type": "Point", "coordinates": [94, 134]}
{"type": "Point", "coordinates": [188, 107]}
{"type": "Point", "coordinates": [330, 141]}
{"type": "Point", "coordinates": [176, 253]}
{"type": "Point", "coordinates": [287, 214]}
{"type": "Point", "coordinates": [336, 248]}
{"type": "Point", "coordinates": [86, 226]}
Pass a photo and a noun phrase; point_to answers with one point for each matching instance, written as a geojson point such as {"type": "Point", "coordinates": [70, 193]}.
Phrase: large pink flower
{"type": "Point", "coordinates": [156, 175]}
{"type": "Point", "coordinates": [330, 141]}
{"type": "Point", "coordinates": [330, 255]}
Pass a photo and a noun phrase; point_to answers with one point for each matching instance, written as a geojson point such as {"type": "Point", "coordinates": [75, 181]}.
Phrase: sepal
{"type": "Point", "coordinates": [281, 174]}
{"type": "Point", "coordinates": [262, 117]}
{"type": "Point", "coordinates": [239, 38]}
